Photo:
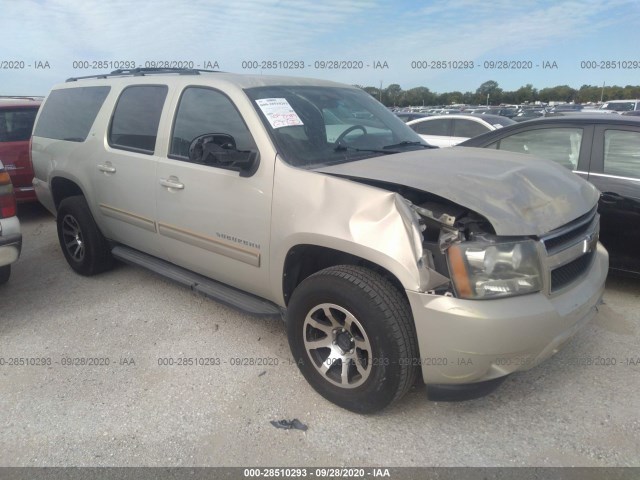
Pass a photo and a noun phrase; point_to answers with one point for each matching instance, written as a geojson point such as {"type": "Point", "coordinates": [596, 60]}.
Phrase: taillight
{"type": "Point", "coordinates": [7, 198]}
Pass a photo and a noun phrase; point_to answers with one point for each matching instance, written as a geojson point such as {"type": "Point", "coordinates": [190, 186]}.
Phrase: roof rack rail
{"type": "Point", "coordinates": [140, 72]}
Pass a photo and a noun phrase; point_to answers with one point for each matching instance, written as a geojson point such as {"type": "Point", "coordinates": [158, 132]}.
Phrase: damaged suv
{"type": "Point", "coordinates": [391, 261]}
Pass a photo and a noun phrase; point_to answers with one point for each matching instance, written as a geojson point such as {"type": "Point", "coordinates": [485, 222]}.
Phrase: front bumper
{"type": "Point", "coordinates": [469, 341]}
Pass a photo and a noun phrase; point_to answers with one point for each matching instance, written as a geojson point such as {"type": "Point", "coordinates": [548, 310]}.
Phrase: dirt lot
{"type": "Point", "coordinates": [580, 408]}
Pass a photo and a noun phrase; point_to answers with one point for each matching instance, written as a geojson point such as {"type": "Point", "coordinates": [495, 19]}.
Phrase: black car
{"type": "Point", "coordinates": [603, 149]}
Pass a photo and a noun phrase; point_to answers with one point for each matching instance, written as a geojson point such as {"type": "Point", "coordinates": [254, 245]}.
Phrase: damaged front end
{"type": "Point", "coordinates": [473, 262]}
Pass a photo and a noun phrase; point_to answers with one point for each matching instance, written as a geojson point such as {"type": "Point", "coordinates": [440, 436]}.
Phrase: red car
{"type": "Point", "coordinates": [17, 115]}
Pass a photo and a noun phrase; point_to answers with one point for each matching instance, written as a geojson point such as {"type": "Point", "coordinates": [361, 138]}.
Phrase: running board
{"type": "Point", "coordinates": [216, 290]}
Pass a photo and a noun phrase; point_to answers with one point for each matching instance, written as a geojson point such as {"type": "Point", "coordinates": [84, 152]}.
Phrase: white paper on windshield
{"type": "Point", "coordinates": [279, 112]}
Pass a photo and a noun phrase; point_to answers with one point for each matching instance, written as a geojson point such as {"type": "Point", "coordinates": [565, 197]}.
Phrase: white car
{"type": "Point", "coordinates": [10, 236]}
{"type": "Point", "coordinates": [450, 130]}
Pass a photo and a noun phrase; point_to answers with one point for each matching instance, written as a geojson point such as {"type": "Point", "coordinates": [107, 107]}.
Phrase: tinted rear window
{"type": "Point", "coordinates": [16, 124]}
{"type": "Point", "coordinates": [136, 118]}
{"type": "Point", "coordinates": [69, 113]}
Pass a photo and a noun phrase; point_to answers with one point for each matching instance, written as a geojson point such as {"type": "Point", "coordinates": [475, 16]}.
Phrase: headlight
{"type": "Point", "coordinates": [488, 270]}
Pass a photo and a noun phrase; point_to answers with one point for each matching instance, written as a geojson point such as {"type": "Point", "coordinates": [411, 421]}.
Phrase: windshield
{"type": "Point", "coordinates": [317, 126]}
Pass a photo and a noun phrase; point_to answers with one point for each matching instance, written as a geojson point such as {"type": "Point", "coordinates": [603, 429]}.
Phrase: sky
{"type": "Point", "coordinates": [444, 45]}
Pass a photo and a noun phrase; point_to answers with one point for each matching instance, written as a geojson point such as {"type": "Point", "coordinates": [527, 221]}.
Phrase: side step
{"type": "Point", "coordinates": [216, 290]}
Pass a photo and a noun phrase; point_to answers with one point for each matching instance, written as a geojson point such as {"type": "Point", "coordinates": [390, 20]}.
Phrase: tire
{"type": "Point", "coordinates": [352, 335]}
{"type": "Point", "coordinates": [82, 243]}
{"type": "Point", "coordinates": [5, 272]}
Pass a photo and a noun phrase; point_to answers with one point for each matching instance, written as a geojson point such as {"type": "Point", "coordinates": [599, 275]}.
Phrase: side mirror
{"type": "Point", "coordinates": [219, 150]}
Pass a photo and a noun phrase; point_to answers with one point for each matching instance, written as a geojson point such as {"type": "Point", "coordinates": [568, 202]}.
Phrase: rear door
{"type": "Point", "coordinates": [123, 173]}
{"type": "Point", "coordinates": [615, 171]}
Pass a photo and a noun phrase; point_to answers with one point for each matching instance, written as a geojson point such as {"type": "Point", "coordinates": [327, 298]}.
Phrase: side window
{"type": "Point", "coordinates": [69, 113]}
{"type": "Point", "coordinates": [209, 129]}
{"type": "Point", "coordinates": [562, 145]}
{"type": "Point", "coordinates": [433, 127]}
{"type": "Point", "coordinates": [622, 153]}
{"type": "Point", "coordinates": [468, 128]}
{"type": "Point", "coordinates": [134, 125]}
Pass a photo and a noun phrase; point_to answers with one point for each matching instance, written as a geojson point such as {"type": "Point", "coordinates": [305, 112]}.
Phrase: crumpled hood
{"type": "Point", "coordinates": [519, 194]}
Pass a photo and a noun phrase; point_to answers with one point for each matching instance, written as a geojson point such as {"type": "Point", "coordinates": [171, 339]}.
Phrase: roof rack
{"type": "Point", "coordinates": [140, 72]}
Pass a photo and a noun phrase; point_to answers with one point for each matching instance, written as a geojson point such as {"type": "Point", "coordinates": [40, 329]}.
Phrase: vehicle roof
{"type": "Point", "coordinates": [238, 80]}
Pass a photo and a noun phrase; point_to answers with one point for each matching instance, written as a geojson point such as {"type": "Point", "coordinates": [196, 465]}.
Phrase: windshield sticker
{"type": "Point", "coordinates": [279, 112]}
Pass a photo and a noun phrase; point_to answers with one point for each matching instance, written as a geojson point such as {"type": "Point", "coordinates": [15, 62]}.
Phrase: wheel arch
{"type": "Point", "coordinates": [304, 260]}
{"type": "Point", "coordinates": [62, 187]}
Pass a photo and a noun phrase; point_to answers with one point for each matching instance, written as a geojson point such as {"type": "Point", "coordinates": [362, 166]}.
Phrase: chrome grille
{"type": "Point", "coordinates": [566, 274]}
{"type": "Point", "coordinates": [570, 251]}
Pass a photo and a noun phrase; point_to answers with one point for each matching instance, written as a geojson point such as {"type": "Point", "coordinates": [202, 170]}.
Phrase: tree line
{"type": "Point", "coordinates": [395, 96]}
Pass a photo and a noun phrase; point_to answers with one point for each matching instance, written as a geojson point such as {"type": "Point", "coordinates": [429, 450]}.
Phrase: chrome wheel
{"type": "Point", "coordinates": [73, 239]}
{"type": "Point", "coordinates": [338, 346]}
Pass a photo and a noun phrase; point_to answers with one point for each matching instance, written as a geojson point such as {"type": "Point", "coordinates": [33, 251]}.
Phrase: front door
{"type": "Point", "coordinates": [212, 218]}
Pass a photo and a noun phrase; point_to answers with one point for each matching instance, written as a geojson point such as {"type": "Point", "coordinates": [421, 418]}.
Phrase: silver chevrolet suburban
{"type": "Point", "coordinates": [390, 260]}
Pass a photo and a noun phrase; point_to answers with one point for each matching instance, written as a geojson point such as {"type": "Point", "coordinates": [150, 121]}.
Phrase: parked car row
{"type": "Point", "coordinates": [523, 112]}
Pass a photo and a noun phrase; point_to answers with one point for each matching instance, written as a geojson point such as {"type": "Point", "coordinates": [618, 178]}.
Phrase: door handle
{"type": "Point", "coordinates": [107, 168]}
{"type": "Point", "coordinates": [172, 182]}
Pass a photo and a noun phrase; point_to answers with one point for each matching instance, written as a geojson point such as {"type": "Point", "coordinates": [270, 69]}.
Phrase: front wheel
{"type": "Point", "coordinates": [351, 333]}
{"type": "Point", "coordinates": [83, 245]}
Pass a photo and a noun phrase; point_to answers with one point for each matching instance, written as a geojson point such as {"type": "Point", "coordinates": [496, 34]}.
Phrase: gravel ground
{"type": "Point", "coordinates": [135, 412]}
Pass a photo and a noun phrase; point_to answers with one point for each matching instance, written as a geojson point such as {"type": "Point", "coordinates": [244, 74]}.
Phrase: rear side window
{"type": "Point", "coordinates": [433, 127]}
{"type": "Point", "coordinates": [622, 153]}
{"type": "Point", "coordinates": [468, 128]}
{"type": "Point", "coordinates": [135, 121]}
{"type": "Point", "coordinates": [69, 113]}
{"type": "Point", "coordinates": [16, 124]}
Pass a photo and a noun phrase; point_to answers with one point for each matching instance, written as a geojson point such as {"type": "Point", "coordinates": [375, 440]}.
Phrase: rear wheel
{"type": "Point", "coordinates": [83, 245]}
{"type": "Point", "coordinates": [351, 333]}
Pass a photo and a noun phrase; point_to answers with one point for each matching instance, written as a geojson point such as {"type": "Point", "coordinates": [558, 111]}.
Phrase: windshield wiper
{"type": "Point", "coordinates": [344, 148]}
{"type": "Point", "coordinates": [406, 143]}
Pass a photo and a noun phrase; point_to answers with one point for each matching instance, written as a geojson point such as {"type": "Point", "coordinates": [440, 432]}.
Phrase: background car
{"type": "Point", "coordinates": [603, 149]}
{"type": "Point", "coordinates": [449, 130]}
{"type": "Point", "coordinates": [621, 105]}
{"type": "Point", "coordinates": [17, 115]}
{"type": "Point", "coordinates": [408, 116]}
{"type": "Point", "coordinates": [566, 107]}
{"type": "Point", "coordinates": [528, 114]}
{"type": "Point", "coordinates": [10, 237]}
